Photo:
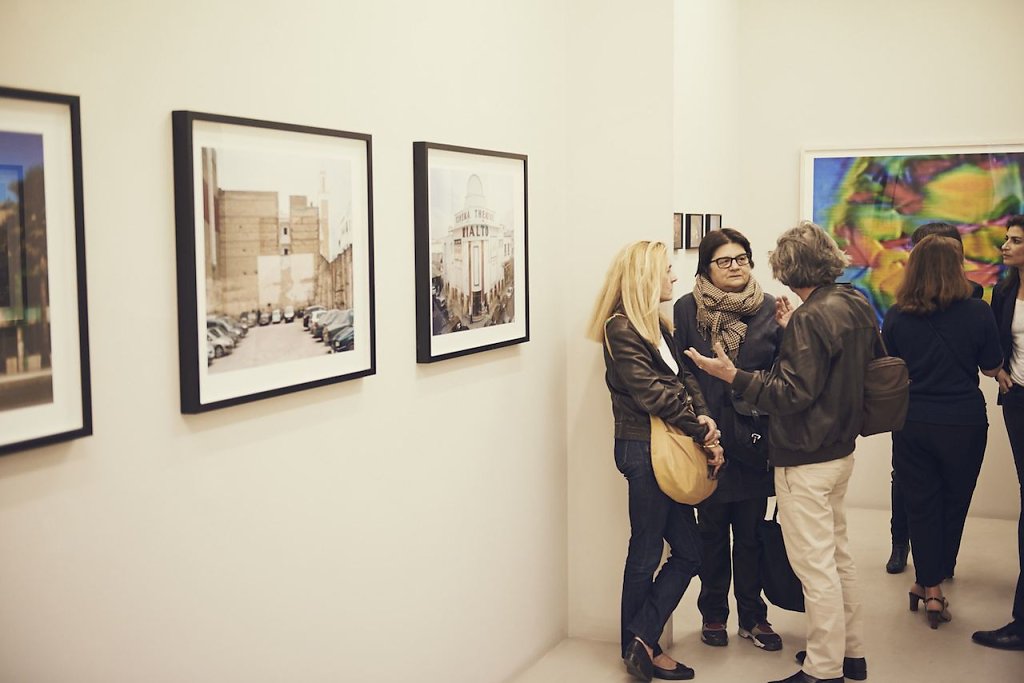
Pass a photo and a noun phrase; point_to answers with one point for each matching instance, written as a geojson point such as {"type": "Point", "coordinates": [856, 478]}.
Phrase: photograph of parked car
{"type": "Point", "coordinates": [272, 218]}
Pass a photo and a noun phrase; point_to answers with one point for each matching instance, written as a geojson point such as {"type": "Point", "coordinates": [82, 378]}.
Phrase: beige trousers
{"type": "Point", "coordinates": [812, 512]}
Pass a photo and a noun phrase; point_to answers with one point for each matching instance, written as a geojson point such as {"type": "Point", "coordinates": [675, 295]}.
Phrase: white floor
{"type": "Point", "coordinates": [900, 646]}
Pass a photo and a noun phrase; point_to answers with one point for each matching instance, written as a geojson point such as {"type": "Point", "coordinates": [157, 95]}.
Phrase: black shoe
{"type": "Point", "coordinates": [898, 559]}
{"type": "Point", "coordinates": [680, 673]}
{"type": "Point", "coordinates": [854, 668]}
{"type": "Point", "coordinates": [638, 662]}
{"type": "Point", "coordinates": [714, 634]}
{"type": "Point", "coordinates": [801, 677]}
{"type": "Point", "coordinates": [762, 636]}
{"type": "Point", "coordinates": [1009, 637]}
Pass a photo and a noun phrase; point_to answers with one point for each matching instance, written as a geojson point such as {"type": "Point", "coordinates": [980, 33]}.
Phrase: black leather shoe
{"type": "Point", "coordinates": [801, 677]}
{"type": "Point", "coordinates": [714, 634]}
{"type": "Point", "coordinates": [854, 668]}
{"type": "Point", "coordinates": [1009, 637]}
{"type": "Point", "coordinates": [680, 673]}
{"type": "Point", "coordinates": [898, 559]}
{"type": "Point", "coordinates": [638, 662]}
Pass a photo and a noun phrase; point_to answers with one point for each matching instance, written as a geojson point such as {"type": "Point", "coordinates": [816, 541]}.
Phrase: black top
{"type": "Point", "coordinates": [746, 474]}
{"type": "Point", "coordinates": [943, 352]}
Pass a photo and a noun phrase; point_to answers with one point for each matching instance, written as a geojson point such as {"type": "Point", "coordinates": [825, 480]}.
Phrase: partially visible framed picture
{"type": "Point", "coordinates": [677, 231]}
{"type": "Point", "coordinates": [712, 221]}
{"type": "Point", "coordinates": [872, 200]}
{"type": "Point", "coordinates": [693, 229]}
{"type": "Point", "coordinates": [275, 258]}
{"type": "Point", "coordinates": [472, 284]}
{"type": "Point", "coordinates": [44, 340]}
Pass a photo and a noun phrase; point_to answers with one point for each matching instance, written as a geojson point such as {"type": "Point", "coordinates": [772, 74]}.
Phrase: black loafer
{"type": "Point", "coordinates": [854, 668]}
{"type": "Point", "coordinates": [1005, 638]}
{"type": "Point", "coordinates": [801, 677]}
{"type": "Point", "coordinates": [638, 662]}
{"type": "Point", "coordinates": [680, 673]}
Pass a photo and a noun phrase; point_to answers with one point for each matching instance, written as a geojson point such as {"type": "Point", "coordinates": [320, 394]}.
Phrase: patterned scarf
{"type": "Point", "coordinates": [719, 314]}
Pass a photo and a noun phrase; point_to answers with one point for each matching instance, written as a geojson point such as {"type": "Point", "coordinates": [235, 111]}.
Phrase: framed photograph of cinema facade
{"type": "Point", "coordinates": [275, 242]}
{"type": "Point", "coordinates": [872, 200]}
{"type": "Point", "coordinates": [472, 289]}
{"type": "Point", "coordinates": [44, 341]}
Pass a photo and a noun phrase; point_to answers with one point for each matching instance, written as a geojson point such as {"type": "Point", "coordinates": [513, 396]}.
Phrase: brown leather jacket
{"type": "Point", "coordinates": [642, 384]}
{"type": "Point", "coordinates": [815, 391]}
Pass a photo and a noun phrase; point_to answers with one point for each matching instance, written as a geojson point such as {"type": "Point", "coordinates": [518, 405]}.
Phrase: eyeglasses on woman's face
{"type": "Point", "coordinates": [726, 261]}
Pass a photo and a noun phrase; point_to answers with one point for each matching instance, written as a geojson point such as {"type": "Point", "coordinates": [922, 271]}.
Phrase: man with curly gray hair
{"type": "Point", "coordinates": [814, 394]}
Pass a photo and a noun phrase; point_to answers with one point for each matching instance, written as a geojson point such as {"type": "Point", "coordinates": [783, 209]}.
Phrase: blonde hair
{"type": "Point", "coordinates": [634, 283]}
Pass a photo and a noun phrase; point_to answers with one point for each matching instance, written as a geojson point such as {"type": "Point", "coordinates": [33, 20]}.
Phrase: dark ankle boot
{"type": "Point", "coordinates": [898, 559]}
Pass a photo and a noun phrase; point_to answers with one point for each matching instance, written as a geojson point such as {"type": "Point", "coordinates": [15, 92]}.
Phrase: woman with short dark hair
{"type": "Point", "coordinates": [727, 305]}
{"type": "Point", "coordinates": [944, 336]}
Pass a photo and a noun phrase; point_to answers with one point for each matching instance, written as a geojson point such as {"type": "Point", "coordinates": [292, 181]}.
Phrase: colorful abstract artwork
{"type": "Point", "coordinates": [871, 201]}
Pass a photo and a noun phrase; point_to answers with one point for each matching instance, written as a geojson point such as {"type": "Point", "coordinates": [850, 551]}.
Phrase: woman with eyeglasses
{"type": "Point", "coordinates": [728, 306]}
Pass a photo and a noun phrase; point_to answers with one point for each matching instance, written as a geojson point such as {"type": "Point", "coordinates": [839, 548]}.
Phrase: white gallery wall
{"type": "Point", "coordinates": [619, 190]}
{"type": "Point", "coordinates": [411, 523]}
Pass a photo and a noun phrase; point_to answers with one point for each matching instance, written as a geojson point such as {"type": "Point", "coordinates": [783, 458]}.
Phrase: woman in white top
{"type": "Point", "coordinates": [1008, 306]}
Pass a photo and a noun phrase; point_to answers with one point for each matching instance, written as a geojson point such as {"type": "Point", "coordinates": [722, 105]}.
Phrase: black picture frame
{"type": "Point", "coordinates": [712, 221]}
{"type": "Point", "coordinates": [260, 239]}
{"type": "Point", "coordinates": [46, 394]}
{"type": "Point", "coordinates": [677, 231]}
{"type": "Point", "coordinates": [471, 250]}
{"type": "Point", "coordinates": [693, 229]}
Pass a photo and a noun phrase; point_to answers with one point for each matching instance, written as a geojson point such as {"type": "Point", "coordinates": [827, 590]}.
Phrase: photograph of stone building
{"type": "Point", "coordinates": [26, 374]}
{"type": "Point", "coordinates": [472, 254]}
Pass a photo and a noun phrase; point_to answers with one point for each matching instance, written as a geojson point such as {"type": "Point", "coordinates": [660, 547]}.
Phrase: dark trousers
{"type": "Point", "coordinates": [938, 467]}
{"type": "Point", "coordinates": [898, 524]}
{"type": "Point", "coordinates": [716, 571]}
{"type": "Point", "coordinates": [648, 600]}
{"type": "Point", "coordinates": [1013, 415]}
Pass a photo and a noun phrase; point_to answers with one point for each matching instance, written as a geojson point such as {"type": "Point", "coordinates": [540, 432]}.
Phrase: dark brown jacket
{"type": "Point", "coordinates": [642, 384]}
{"type": "Point", "coordinates": [815, 391]}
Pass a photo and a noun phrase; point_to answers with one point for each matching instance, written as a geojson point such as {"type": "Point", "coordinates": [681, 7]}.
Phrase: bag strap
{"type": "Point", "coordinates": [606, 344]}
{"type": "Point", "coordinates": [956, 358]}
{"type": "Point", "coordinates": [880, 350]}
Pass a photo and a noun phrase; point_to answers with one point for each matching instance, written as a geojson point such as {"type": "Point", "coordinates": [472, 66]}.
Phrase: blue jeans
{"type": "Point", "coordinates": [648, 601]}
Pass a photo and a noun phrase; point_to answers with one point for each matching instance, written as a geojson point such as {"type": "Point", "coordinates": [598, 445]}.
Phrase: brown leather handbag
{"type": "Point", "coordinates": [680, 464]}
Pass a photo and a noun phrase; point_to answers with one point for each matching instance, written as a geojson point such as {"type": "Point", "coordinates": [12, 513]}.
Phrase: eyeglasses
{"type": "Point", "coordinates": [726, 261]}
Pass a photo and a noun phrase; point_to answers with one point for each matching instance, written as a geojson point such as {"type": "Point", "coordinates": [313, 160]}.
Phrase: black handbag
{"type": "Point", "coordinates": [780, 585]}
{"type": "Point", "coordinates": [749, 431]}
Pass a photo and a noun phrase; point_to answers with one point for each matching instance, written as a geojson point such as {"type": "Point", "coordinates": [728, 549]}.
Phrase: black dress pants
{"type": "Point", "coordinates": [937, 466]}
{"type": "Point", "coordinates": [1013, 416]}
{"type": "Point", "coordinates": [717, 572]}
{"type": "Point", "coordinates": [898, 521]}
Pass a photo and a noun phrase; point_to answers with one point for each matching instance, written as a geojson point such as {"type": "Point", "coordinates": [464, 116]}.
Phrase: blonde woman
{"type": "Point", "coordinates": [645, 377]}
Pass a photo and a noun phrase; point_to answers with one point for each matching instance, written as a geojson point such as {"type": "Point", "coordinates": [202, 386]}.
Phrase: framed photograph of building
{"type": "Point", "coordinates": [693, 229]}
{"type": "Point", "coordinates": [275, 258]}
{"type": "Point", "coordinates": [677, 231]}
{"type": "Point", "coordinates": [712, 221]}
{"type": "Point", "coordinates": [872, 200]}
{"type": "Point", "coordinates": [44, 340]}
{"type": "Point", "coordinates": [472, 286]}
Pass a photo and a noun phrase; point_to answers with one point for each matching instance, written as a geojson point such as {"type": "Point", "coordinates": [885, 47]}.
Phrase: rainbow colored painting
{"type": "Point", "coordinates": [872, 203]}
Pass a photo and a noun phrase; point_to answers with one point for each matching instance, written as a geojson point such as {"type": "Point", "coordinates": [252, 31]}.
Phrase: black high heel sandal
{"type": "Point", "coordinates": [937, 615]}
{"type": "Point", "coordinates": [915, 600]}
